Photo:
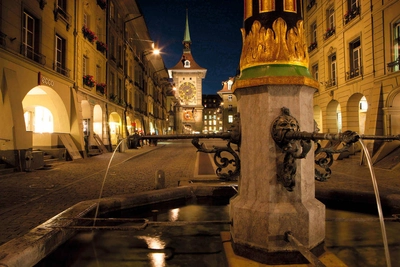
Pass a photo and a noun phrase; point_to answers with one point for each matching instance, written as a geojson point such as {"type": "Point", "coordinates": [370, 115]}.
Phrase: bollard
{"type": "Point", "coordinates": [160, 180]}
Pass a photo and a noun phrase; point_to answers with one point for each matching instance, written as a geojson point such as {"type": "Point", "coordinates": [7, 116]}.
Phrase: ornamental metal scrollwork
{"type": "Point", "coordinates": [224, 163]}
{"type": "Point", "coordinates": [292, 149]}
{"type": "Point", "coordinates": [324, 156]}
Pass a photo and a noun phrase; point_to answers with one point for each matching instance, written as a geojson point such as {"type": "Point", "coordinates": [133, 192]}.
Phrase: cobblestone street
{"type": "Point", "coordinates": [29, 199]}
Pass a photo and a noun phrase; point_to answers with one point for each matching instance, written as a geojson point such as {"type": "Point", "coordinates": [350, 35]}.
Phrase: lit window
{"type": "Point", "coordinates": [230, 118]}
{"type": "Point", "coordinates": [355, 59]}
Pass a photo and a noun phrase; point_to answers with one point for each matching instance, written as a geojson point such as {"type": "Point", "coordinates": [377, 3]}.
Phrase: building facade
{"type": "Point", "coordinates": [187, 77]}
{"type": "Point", "coordinates": [229, 105]}
{"type": "Point", "coordinates": [78, 75]}
{"type": "Point", "coordinates": [213, 114]}
{"type": "Point", "coordinates": [354, 55]}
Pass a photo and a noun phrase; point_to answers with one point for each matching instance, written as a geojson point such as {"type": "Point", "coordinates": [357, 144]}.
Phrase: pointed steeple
{"type": "Point", "coordinates": [187, 61]}
{"type": "Point", "coordinates": [186, 37]}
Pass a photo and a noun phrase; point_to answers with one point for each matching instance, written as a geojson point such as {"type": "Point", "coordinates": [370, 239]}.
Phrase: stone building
{"type": "Point", "coordinates": [213, 114]}
{"type": "Point", "coordinates": [229, 106]}
{"type": "Point", "coordinates": [76, 77]}
{"type": "Point", "coordinates": [354, 55]}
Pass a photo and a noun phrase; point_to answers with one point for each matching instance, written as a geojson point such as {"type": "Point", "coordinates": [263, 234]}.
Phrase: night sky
{"type": "Point", "coordinates": [214, 27]}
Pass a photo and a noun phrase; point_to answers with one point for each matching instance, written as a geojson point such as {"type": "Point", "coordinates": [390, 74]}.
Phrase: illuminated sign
{"type": "Point", "coordinates": [42, 80]}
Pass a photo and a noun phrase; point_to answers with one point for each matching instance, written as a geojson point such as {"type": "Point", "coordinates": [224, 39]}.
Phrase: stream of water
{"type": "Point", "coordinates": [378, 203]}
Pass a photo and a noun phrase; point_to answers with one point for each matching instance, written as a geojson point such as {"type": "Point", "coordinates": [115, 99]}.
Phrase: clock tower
{"type": "Point", "coordinates": [188, 77]}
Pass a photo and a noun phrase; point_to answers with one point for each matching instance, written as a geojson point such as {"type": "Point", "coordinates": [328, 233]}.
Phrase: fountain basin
{"type": "Point", "coordinates": [41, 241]}
{"type": "Point", "coordinates": [45, 238]}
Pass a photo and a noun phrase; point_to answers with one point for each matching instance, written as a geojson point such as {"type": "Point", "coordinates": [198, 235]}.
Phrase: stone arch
{"type": "Point", "coordinates": [355, 118]}
{"type": "Point", "coordinates": [98, 121]}
{"type": "Point", "coordinates": [44, 96]}
{"type": "Point", "coordinates": [50, 104]}
{"type": "Point", "coordinates": [115, 123]}
{"type": "Point", "coordinates": [318, 117]}
{"type": "Point", "coordinates": [333, 120]}
{"type": "Point", "coordinates": [392, 112]}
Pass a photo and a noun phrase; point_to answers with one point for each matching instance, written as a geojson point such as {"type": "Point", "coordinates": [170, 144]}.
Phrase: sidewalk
{"type": "Point", "coordinates": [351, 184]}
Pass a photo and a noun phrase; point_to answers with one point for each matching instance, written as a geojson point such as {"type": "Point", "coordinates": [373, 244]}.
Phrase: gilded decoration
{"type": "Point", "coordinates": [274, 46]}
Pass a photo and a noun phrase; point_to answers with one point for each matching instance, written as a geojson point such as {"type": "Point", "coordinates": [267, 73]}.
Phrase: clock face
{"type": "Point", "coordinates": [187, 91]}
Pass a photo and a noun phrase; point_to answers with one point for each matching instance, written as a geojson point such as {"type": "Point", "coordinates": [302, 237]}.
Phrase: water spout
{"type": "Point", "coordinates": [104, 180]}
{"type": "Point", "coordinates": [378, 203]}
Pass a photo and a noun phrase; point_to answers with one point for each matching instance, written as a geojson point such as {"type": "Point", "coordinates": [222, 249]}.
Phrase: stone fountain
{"type": "Point", "coordinates": [274, 74]}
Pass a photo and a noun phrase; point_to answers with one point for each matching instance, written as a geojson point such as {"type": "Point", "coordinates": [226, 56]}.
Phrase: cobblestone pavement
{"type": "Point", "coordinates": [29, 199]}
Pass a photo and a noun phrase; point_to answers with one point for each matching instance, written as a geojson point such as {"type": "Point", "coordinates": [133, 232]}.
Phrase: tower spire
{"type": "Point", "coordinates": [186, 37]}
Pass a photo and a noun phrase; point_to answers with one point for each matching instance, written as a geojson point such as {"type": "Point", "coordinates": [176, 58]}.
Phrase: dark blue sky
{"type": "Point", "coordinates": [214, 30]}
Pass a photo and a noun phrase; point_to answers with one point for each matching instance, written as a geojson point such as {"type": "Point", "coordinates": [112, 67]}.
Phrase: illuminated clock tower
{"type": "Point", "coordinates": [188, 77]}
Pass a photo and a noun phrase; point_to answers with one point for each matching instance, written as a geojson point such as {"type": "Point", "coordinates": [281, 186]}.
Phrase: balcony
{"type": "Point", "coordinates": [61, 69]}
{"type": "Point", "coordinates": [329, 33]}
{"type": "Point", "coordinates": [88, 34]}
{"type": "Point", "coordinates": [101, 88]}
{"type": "Point", "coordinates": [394, 65]}
{"type": "Point", "coordinates": [30, 53]}
{"type": "Point", "coordinates": [350, 15]}
{"type": "Point", "coordinates": [102, 47]}
{"type": "Point", "coordinates": [312, 46]}
{"type": "Point", "coordinates": [330, 83]}
{"type": "Point", "coordinates": [353, 73]}
{"type": "Point", "coordinates": [311, 4]}
{"type": "Point", "coordinates": [59, 13]}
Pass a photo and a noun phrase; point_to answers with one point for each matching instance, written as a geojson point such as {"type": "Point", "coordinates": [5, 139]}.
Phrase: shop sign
{"type": "Point", "coordinates": [43, 80]}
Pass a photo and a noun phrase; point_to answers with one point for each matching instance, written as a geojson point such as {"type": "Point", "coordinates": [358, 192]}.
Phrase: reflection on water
{"type": "Point", "coordinates": [357, 244]}
{"type": "Point", "coordinates": [155, 243]}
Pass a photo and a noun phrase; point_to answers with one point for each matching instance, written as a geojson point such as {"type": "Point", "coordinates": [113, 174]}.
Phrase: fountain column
{"type": "Point", "coordinates": [274, 74]}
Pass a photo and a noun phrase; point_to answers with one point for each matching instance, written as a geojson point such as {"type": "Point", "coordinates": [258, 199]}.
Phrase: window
{"type": "Point", "coordinates": [112, 83]}
{"type": "Point", "coordinates": [98, 73]}
{"type": "Point", "coordinates": [313, 40]}
{"type": "Point", "coordinates": [112, 47]}
{"type": "Point", "coordinates": [120, 55]}
{"type": "Point", "coordinates": [85, 61]}
{"type": "Point", "coordinates": [230, 118]}
{"type": "Point", "coordinates": [62, 8]}
{"type": "Point", "coordinates": [314, 32]}
{"type": "Point", "coordinates": [230, 82]}
{"type": "Point", "coordinates": [395, 65]}
{"type": "Point", "coordinates": [353, 4]}
{"type": "Point", "coordinates": [119, 92]}
{"type": "Point", "coordinates": [60, 56]}
{"type": "Point", "coordinates": [332, 70]}
{"type": "Point", "coordinates": [112, 11]}
{"type": "Point", "coordinates": [330, 19]}
{"type": "Point", "coordinates": [86, 20]}
{"type": "Point", "coordinates": [30, 38]}
{"type": "Point", "coordinates": [230, 98]}
{"type": "Point", "coordinates": [230, 107]}
{"type": "Point", "coordinates": [355, 59]}
{"type": "Point", "coordinates": [314, 70]}
{"type": "Point", "coordinates": [353, 10]}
